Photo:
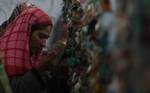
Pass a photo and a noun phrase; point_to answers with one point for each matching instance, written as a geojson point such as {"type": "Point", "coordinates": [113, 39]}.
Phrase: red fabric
{"type": "Point", "coordinates": [14, 44]}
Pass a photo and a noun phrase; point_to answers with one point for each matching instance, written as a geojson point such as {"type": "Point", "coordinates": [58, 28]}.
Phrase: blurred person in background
{"type": "Point", "coordinates": [107, 40]}
{"type": "Point", "coordinates": [106, 33]}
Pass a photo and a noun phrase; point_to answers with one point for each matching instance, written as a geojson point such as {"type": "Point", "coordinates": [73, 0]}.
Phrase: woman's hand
{"type": "Point", "coordinates": [51, 57]}
{"type": "Point", "coordinates": [63, 35]}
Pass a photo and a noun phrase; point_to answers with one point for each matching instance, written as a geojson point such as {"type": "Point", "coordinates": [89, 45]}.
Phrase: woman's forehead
{"type": "Point", "coordinates": [47, 30]}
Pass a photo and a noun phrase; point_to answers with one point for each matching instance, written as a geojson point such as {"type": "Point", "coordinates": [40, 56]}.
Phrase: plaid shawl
{"type": "Point", "coordinates": [14, 44]}
{"type": "Point", "coordinates": [17, 11]}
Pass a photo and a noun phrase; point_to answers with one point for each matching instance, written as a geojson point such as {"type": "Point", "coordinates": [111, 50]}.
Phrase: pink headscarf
{"type": "Point", "coordinates": [14, 44]}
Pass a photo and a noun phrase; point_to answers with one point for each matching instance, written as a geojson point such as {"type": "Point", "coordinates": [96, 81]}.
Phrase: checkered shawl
{"type": "Point", "coordinates": [17, 11]}
{"type": "Point", "coordinates": [14, 44]}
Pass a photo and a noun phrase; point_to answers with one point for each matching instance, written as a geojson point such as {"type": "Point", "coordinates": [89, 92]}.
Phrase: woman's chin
{"type": "Point", "coordinates": [38, 50]}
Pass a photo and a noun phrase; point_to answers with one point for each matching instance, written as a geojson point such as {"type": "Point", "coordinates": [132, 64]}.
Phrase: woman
{"type": "Point", "coordinates": [21, 46]}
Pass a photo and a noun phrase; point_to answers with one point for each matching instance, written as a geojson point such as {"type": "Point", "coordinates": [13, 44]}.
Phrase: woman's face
{"type": "Point", "coordinates": [38, 39]}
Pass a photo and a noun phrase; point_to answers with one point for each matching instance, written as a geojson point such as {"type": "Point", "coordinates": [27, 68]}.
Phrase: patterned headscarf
{"type": "Point", "coordinates": [16, 11]}
{"type": "Point", "coordinates": [14, 44]}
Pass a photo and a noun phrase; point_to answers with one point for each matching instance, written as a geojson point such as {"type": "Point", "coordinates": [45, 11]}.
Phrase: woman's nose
{"type": "Point", "coordinates": [43, 42]}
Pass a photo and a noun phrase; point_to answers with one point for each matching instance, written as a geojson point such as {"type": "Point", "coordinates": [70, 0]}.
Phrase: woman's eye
{"type": "Point", "coordinates": [41, 36]}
